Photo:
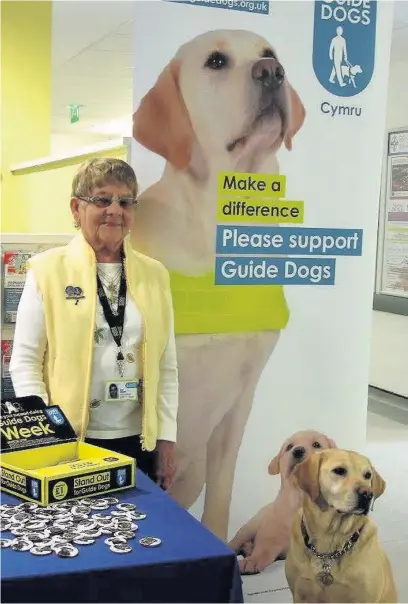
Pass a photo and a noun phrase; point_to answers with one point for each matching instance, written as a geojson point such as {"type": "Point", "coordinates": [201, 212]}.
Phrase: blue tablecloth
{"type": "Point", "coordinates": [191, 564]}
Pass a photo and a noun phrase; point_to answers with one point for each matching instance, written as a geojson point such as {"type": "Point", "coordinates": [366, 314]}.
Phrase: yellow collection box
{"type": "Point", "coordinates": [42, 460]}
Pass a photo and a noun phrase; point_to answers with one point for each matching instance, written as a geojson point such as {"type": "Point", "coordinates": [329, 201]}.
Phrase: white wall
{"type": "Point", "coordinates": [389, 351]}
{"type": "Point", "coordinates": [397, 114]}
{"type": "Point", "coordinates": [63, 144]}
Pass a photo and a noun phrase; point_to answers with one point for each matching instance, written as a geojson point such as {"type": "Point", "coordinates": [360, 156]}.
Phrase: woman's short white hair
{"type": "Point", "coordinates": [99, 171]}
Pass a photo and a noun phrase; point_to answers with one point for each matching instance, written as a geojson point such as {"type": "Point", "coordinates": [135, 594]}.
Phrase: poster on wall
{"type": "Point", "coordinates": [253, 123]}
{"type": "Point", "coordinates": [398, 143]}
{"type": "Point", "coordinates": [399, 177]}
{"type": "Point", "coordinates": [395, 254]}
{"type": "Point", "coordinates": [395, 267]}
{"type": "Point", "coordinates": [394, 274]}
{"type": "Point", "coordinates": [7, 389]}
{"type": "Point", "coordinates": [15, 269]}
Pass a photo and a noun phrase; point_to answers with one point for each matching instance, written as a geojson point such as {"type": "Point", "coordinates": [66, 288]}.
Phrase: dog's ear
{"type": "Point", "coordinates": [307, 475]}
{"type": "Point", "coordinates": [273, 467]}
{"type": "Point", "coordinates": [161, 123]}
{"type": "Point", "coordinates": [332, 444]}
{"type": "Point", "coordinates": [297, 117]}
{"type": "Point", "coordinates": [377, 484]}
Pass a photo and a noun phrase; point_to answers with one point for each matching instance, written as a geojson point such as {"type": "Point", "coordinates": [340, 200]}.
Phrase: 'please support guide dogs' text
{"type": "Point", "coordinates": [253, 249]}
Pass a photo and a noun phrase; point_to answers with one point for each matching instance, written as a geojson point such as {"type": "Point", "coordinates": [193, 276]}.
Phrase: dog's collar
{"type": "Point", "coordinates": [338, 553]}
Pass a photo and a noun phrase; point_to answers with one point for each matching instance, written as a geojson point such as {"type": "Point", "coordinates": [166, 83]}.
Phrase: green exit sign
{"type": "Point", "coordinates": [74, 113]}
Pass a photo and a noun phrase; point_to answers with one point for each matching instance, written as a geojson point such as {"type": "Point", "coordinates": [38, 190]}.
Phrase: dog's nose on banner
{"type": "Point", "coordinates": [299, 452]}
{"type": "Point", "coordinates": [269, 72]}
{"type": "Point", "coordinates": [365, 497]}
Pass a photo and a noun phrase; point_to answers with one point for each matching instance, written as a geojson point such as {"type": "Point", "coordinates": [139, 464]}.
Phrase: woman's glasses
{"type": "Point", "coordinates": [102, 201]}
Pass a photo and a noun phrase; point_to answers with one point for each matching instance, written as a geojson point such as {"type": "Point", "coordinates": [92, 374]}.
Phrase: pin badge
{"type": "Point", "coordinates": [22, 545]}
{"type": "Point", "coordinates": [150, 541]}
{"type": "Point", "coordinates": [112, 500]}
{"type": "Point", "coordinates": [83, 541]}
{"type": "Point", "coordinates": [67, 551]}
{"type": "Point", "coordinates": [73, 292]}
{"type": "Point", "coordinates": [125, 534]}
{"type": "Point", "coordinates": [120, 548]}
{"type": "Point", "coordinates": [27, 506]}
{"type": "Point", "coordinates": [40, 551]}
{"type": "Point", "coordinates": [115, 540]}
{"type": "Point", "coordinates": [126, 506]}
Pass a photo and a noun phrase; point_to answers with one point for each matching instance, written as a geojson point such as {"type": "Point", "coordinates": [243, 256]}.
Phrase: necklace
{"type": "Point", "coordinates": [111, 283]}
{"type": "Point", "coordinates": [116, 319]}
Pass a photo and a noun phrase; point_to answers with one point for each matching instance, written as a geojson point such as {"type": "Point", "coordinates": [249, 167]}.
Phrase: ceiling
{"type": "Point", "coordinates": [92, 67]}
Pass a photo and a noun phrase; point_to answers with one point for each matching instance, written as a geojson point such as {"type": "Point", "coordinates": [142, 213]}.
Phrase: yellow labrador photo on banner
{"type": "Point", "coordinates": [222, 103]}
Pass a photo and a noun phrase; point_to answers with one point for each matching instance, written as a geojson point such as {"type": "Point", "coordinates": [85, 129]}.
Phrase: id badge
{"type": "Point", "coordinates": [121, 390]}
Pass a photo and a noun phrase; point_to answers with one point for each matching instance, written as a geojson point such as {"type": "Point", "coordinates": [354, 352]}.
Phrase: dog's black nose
{"type": "Point", "coordinates": [364, 499]}
{"type": "Point", "coordinates": [269, 72]}
{"type": "Point", "coordinates": [298, 452]}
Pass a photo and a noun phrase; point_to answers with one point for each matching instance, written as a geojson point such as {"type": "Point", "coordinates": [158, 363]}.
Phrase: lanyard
{"type": "Point", "coordinates": [115, 320]}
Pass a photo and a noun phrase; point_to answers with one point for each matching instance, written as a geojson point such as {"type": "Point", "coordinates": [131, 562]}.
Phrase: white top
{"type": "Point", "coordinates": [116, 419]}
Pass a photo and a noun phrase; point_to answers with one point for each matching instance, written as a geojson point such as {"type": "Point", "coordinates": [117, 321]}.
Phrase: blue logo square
{"type": "Point", "coordinates": [344, 45]}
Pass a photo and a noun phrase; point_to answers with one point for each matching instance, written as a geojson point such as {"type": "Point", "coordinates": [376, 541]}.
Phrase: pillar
{"type": "Point", "coordinates": [26, 36]}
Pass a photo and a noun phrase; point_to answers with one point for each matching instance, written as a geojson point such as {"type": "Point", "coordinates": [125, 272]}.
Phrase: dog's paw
{"type": "Point", "coordinates": [248, 567]}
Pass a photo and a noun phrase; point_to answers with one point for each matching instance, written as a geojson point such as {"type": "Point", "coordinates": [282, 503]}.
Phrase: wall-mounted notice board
{"type": "Point", "coordinates": [391, 293]}
{"type": "Point", "coordinates": [16, 249]}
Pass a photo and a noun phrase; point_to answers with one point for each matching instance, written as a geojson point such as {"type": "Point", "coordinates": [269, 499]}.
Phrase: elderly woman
{"type": "Point", "coordinates": [95, 332]}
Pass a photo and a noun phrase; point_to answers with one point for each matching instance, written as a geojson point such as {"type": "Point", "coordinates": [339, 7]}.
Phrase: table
{"type": "Point", "coordinates": [191, 564]}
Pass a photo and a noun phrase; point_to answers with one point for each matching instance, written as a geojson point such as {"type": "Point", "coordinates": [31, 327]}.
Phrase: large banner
{"type": "Point", "coordinates": [258, 138]}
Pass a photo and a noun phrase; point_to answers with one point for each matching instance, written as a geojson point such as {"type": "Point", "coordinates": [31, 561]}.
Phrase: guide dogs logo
{"type": "Point", "coordinates": [10, 407]}
{"type": "Point", "coordinates": [344, 44]}
{"type": "Point", "coordinates": [55, 416]}
{"type": "Point", "coordinates": [35, 489]}
{"type": "Point", "coordinates": [121, 477]}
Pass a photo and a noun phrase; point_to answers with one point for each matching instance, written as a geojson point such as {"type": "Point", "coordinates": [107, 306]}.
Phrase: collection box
{"type": "Point", "coordinates": [42, 460]}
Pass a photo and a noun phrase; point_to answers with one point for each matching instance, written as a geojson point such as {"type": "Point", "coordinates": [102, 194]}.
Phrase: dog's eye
{"type": "Point", "coordinates": [317, 445]}
{"type": "Point", "coordinates": [289, 447]}
{"type": "Point", "coordinates": [339, 471]}
{"type": "Point", "coordinates": [268, 54]}
{"type": "Point", "coordinates": [217, 60]}
{"type": "Point", "coordinates": [367, 475]}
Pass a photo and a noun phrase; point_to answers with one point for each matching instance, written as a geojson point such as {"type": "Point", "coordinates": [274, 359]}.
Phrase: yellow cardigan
{"type": "Point", "coordinates": [70, 327]}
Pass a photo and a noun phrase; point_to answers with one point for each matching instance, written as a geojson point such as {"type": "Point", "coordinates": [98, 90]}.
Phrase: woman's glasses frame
{"type": "Point", "coordinates": [103, 201]}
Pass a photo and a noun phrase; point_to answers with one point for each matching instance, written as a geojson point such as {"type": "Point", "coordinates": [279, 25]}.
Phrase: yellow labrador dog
{"type": "Point", "coordinates": [265, 538]}
{"type": "Point", "coordinates": [334, 553]}
{"type": "Point", "coordinates": [222, 103]}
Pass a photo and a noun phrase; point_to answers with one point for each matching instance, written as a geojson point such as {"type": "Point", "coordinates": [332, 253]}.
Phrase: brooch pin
{"type": "Point", "coordinates": [73, 292]}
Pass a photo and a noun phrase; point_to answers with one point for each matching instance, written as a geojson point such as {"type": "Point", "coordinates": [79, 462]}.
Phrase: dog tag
{"type": "Point", "coordinates": [325, 577]}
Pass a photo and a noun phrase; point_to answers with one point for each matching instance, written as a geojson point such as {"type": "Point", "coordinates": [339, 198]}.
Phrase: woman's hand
{"type": "Point", "coordinates": [165, 463]}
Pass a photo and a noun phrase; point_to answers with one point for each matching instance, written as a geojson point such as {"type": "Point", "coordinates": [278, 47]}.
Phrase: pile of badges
{"type": "Point", "coordinates": [60, 527]}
